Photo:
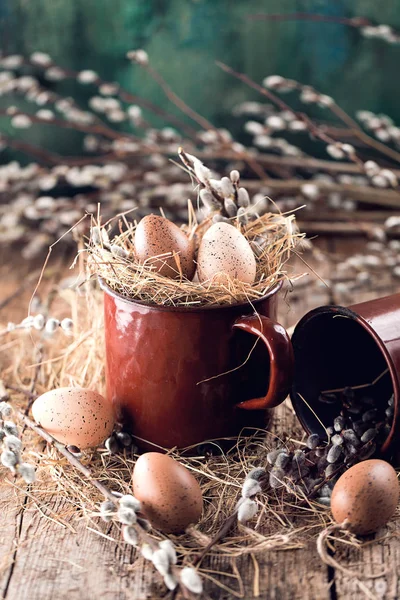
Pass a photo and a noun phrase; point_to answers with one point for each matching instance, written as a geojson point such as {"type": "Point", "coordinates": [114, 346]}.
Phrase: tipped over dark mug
{"type": "Point", "coordinates": [337, 347]}
{"type": "Point", "coordinates": [180, 376]}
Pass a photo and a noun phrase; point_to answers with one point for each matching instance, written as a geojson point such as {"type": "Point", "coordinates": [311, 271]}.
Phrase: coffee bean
{"type": "Point", "coordinates": [313, 441]}
{"type": "Point", "coordinates": [334, 454]}
{"type": "Point", "coordinates": [369, 435]}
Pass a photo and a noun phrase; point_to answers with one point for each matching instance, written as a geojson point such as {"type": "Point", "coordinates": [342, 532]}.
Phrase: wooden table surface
{"type": "Point", "coordinates": [42, 559]}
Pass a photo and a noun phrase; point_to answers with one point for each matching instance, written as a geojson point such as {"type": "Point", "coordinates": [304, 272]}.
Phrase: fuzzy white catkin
{"type": "Point", "coordinates": [107, 510]}
{"type": "Point", "coordinates": [67, 324]}
{"type": "Point", "coordinates": [130, 536]}
{"type": "Point", "coordinates": [334, 151]}
{"type": "Point", "coordinates": [273, 81]}
{"type": "Point", "coordinates": [5, 409]}
{"type": "Point", "coordinates": [371, 167]}
{"type": "Point", "coordinates": [191, 580]}
{"type": "Point", "coordinates": [27, 472]}
{"type": "Point", "coordinates": [169, 548]}
{"type": "Point", "coordinates": [247, 510]}
{"type": "Point", "coordinates": [118, 251]}
{"type": "Point", "coordinates": [87, 76]}
{"type": "Point", "coordinates": [38, 322]}
{"type": "Point", "coordinates": [45, 114]}
{"type": "Point", "coordinates": [139, 56]}
{"type": "Point", "coordinates": [250, 488]}
{"type": "Point", "coordinates": [51, 325]}
{"type": "Point", "coordinates": [21, 121]}
{"type": "Point", "coordinates": [227, 188]}
{"type": "Point", "coordinates": [10, 428]}
{"type": "Point", "coordinates": [126, 515]}
{"type": "Point", "coordinates": [170, 581]}
{"type": "Point", "coordinates": [129, 501]}
{"type": "Point", "coordinates": [230, 207]}
{"type": "Point", "coordinates": [202, 173]}
{"type": "Point", "coordinates": [41, 58]}
{"type": "Point", "coordinates": [161, 561]}
{"type": "Point", "coordinates": [275, 122]}
{"type": "Point", "coordinates": [13, 443]}
{"type": "Point", "coordinates": [310, 190]}
{"type": "Point", "coordinates": [208, 199]}
{"type": "Point", "coordinates": [234, 176]}
{"type": "Point", "coordinates": [147, 551]}
{"type": "Point", "coordinates": [9, 459]}
{"type": "Point", "coordinates": [243, 197]}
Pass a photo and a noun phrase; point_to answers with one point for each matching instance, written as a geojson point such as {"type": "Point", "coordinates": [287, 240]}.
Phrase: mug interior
{"type": "Point", "coordinates": [333, 349]}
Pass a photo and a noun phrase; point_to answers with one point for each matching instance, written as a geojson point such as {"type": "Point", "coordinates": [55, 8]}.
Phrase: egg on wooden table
{"type": "Point", "coordinates": [225, 251]}
{"type": "Point", "coordinates": [366, 495]}
{"type": "Point", "coordinates": [156, 236]}
{"type": "Point", "coordinates": [75, 416]}
{"type": "Point", "coordinates": [171, 497]}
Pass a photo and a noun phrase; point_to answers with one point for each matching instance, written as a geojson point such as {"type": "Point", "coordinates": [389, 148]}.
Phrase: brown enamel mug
{"type": "Point", "coordinates": [180, 376]}
{"type": "Point", "coordinates": [335, 347]}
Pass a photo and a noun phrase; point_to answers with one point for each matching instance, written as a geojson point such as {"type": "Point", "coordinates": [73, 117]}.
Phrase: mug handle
{"type": "Point", "coordinates": [279, 346]}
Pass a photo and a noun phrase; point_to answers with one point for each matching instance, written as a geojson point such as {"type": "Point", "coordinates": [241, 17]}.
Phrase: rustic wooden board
{"type": "Point", "coordinates": [43, 557]}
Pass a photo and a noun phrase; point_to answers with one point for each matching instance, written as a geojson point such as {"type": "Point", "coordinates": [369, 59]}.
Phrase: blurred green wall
{"type": "Point", "coordinates": [185, 37]}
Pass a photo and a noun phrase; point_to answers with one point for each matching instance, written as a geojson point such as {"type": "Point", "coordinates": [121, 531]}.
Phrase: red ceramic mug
{"type": "Point", "coordinates": [335, 347]}
{"type": "Point", "coordinates": [180, 376]}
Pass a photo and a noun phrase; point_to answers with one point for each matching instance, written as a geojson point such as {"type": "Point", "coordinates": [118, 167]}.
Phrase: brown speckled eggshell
{"type": "Point", "coordinates": [75, 416]}
{"type": "Point", "coordinates": [367, 495]}
{"type": "Point", "coordinates": [156, 235]}
{"type": "Point", "coordinates": [170, 495]}
{"type": "Point", "coordinates": [225, 251]}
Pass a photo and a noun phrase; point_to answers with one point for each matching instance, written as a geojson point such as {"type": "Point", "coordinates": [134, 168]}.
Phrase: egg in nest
{"type": "Point", "coordinates": [164, 246]}
{"type": "Point", "coordinates": [224, 251]}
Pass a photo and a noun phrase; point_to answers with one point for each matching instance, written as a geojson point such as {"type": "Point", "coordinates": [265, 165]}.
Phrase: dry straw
{"type": "Point", "coordinates": [131, 279]}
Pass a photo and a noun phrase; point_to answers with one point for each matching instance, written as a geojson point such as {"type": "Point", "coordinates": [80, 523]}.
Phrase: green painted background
{"type": "Point", "coordinates": [185, 37]}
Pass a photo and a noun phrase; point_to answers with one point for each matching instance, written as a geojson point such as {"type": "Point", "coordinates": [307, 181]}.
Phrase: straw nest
{"type": "Point", "coordinates": [114, 261]}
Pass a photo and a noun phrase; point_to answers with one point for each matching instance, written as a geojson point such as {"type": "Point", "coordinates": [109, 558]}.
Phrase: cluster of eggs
{"type": "Point", "coordinates": [365, 496]}
{"type": "Point", "coordinates": [223, 251]}
{"type": "Point", "coordinates": [170, 496]}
